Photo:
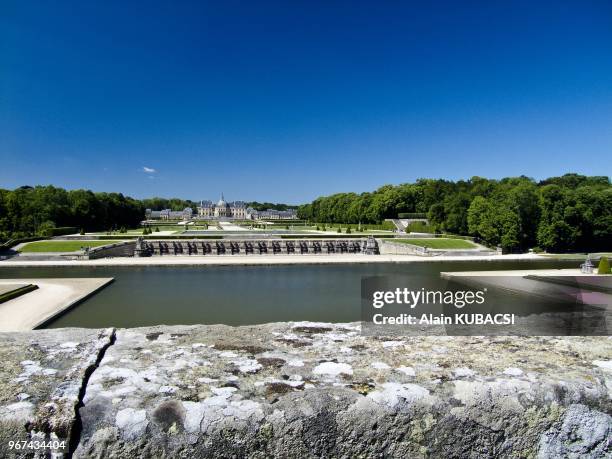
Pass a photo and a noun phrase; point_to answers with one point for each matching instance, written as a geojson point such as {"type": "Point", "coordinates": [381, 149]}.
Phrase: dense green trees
{"type": "Point", "coordinates": [172, 204]}
{"type": "Point", "coordinates": [28, 211]}
{"type": "Point", "coordinates": [268, 205]}
{"type": "Point", "coordinates": [567, 213]}
{"type": "Point", "coordinates": [580, 217]}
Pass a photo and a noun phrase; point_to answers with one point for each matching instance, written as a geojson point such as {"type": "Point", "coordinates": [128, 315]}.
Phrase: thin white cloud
{"type": "Point", "coordinates": [148, 170]}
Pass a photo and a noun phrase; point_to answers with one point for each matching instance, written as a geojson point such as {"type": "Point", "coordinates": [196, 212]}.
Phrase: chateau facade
{"type": "Point", "coordinates": [222, 210]}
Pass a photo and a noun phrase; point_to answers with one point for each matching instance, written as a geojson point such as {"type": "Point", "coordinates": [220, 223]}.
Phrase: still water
{"type": "Point", "coordinates": [240, 295]}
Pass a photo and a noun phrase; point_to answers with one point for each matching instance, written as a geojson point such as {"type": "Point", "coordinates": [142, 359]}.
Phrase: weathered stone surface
{"type": "Point", "coordinates": [42, 374]}
{"type": "Point", "coordinates": [304, 390]}
{"type": "Point", "coordinates": [323, 390]}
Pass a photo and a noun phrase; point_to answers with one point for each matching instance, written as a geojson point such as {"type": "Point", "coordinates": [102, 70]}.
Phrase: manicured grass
{"type": "Point", "coordinates": [438, 243]}
{"type": "Point", "coordinates": [61, 246]}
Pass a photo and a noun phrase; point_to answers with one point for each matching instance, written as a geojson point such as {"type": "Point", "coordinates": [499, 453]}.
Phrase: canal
{"type": "Point", "coordinates": [240, 295]}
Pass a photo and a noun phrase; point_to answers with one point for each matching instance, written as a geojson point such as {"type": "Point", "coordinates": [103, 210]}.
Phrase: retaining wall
{"type": "Point", "coordinates": [253, 247]}
{"type": "Point", "coordinates": [118, 249]}
{"type": "Point", "coordinates": [388, 247]}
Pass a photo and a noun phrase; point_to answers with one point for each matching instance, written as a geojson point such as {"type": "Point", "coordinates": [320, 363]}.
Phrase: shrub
{"type": "Point", "coordinates": [348, 230]}
{"type": "Point", "coordinates": [419, 227]}
{"type": "Point", "coordinates": [82, 232]}
{"type": "Point", "coordinates": [157, 229]}
{"type": "Point", "coordinates": [57, 231]}
{"type": "Point", "coordinates": [45, 228]}
{"type": "Point", "coordinates": [604, 266]}
{"type": "Point", "coordinates": [389, 226]}
{"type": "Point", "coordinates": [339, 230]}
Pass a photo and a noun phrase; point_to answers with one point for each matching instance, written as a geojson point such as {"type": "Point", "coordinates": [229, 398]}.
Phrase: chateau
{"type": "Point", "coordinates": [222, 210]}
{"type": "Point", "coordinates": [235, 210]}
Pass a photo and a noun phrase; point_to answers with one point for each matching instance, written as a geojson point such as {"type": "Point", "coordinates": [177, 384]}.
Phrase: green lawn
{"type": "Point", "coordinates": [61, 246]}
{"type": "Point", "coordinates": [438, 243]}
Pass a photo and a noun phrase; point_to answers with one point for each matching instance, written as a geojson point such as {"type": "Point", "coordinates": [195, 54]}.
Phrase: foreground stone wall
{"type": "Point", "coordinates": [307, 390]}
{"type": "Point", "coordinates": [43, 376]}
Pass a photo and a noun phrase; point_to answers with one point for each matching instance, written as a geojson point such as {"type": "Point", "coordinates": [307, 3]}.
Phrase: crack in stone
{"type": "Point", "coordinates": [77, 426]}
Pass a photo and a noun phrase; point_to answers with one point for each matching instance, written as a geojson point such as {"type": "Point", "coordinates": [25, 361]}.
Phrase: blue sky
{"type": "Point", "coordinates": [286, 101]}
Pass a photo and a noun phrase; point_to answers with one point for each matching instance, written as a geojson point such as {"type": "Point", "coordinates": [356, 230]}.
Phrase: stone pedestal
{"type": "Point", "coordinates": [371, 246]}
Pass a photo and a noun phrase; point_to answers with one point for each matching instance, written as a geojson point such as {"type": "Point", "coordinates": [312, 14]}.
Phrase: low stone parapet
{"type": "Point", "coordinates": [42, 381]}
{"type": "Point", "coordinates": [305, 390]}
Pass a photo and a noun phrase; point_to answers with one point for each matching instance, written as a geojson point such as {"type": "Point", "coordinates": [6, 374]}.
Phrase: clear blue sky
{"type": "Point", "coordinates": [285, 101]}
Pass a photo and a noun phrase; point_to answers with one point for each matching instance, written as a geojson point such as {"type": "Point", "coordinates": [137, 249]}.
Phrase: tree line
{"type": "Point", "coordinates": [269, 205]}
{"type": "Point", "coordinates": [31, 211]}
{"type": "Point", "coordinates": [172, 204]}
{"type": "Point", "coordinates": [560, 214]}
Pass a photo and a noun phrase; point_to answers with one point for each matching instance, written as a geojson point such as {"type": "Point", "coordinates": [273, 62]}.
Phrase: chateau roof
{"type": "Point", "coordinates": [205, 203]}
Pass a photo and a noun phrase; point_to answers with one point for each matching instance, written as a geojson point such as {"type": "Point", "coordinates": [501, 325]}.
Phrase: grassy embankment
{"type": "Point", "coordinates": [6, 296]}
{"type": "Point", "coordinates": [61, 246]}
{"type": "Point", "coordinates": [439, 243]}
